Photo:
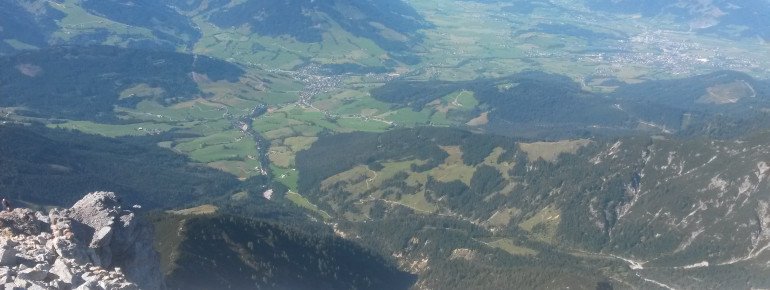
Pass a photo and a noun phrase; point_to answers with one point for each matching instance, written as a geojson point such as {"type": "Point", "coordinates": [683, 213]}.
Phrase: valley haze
{"type": "Point", "coordinates": [388, 144]}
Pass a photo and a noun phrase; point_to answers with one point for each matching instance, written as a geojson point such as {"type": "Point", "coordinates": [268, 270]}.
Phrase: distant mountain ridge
{"type": "Point", "coordinates": [706, 16]}
{"type": "Point", "coordinates": [533, 103]}
{"type": "Point", "coordinates": [166, 24]}
{"type": "Point", "coordinates": [28, 22]}
{"type": "Point", "coordinates": [392, 25]}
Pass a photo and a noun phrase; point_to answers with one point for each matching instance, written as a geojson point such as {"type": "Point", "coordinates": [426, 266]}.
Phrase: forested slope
{"type": "Point", "coordinates": [652, 203]}
{"type": "Point", "coordinates": [55, 167]}
{"type": "Point", "coordinates": [220, 251]}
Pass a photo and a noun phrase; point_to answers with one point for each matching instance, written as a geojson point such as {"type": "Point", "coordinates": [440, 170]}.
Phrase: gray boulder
{"type": "Point", "coordinates": [38, 273]}
{"type": "Point", "coordinates": [7, 255]}
{"type": "Point", "coordinates": [118, 238]}
{"type": "Point", "coordinates": [93, 245]}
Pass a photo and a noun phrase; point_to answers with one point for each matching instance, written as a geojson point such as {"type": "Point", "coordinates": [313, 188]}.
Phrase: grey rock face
{"type": "Point", "coordinates": [119, 238]}
{"type": "Point", "coordinates": [63, 272]}
{"type": "Point", "coordinates": [7, 253]}
{"type": "Point", "coordinates": [21, 221]}
{"type": "Point", "coordinates": [94, 245]}
{"type": "Point", "coordinates": [101, 237]}
{"type": "Point", "coordinates": [5, 275]}
{"type": "Point", "coordinates": [38, 273]}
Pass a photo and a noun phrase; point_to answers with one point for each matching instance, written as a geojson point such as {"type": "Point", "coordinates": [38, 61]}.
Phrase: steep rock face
{"type": "Point", "coordinates": [121, 239]}
{"type": "Point", "coordinates": [699, 200]}
{"type": "Point", "coordinates": [93, 245]}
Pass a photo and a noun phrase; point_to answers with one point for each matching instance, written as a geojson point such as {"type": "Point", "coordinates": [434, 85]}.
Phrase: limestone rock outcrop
{"type": "Point", "coordinates": [96, 244]}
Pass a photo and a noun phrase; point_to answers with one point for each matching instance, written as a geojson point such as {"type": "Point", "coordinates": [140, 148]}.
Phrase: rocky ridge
{"type": "Point", "coordinates": [96, 244]}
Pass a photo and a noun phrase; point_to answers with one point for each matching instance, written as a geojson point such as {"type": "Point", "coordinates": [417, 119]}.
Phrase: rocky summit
{"type": "Point", "coordinates": [96, 244]}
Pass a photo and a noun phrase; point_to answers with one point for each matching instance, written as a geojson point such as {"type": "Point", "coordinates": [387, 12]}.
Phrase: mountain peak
{"type": "Point", "coordinates": [96, 244]}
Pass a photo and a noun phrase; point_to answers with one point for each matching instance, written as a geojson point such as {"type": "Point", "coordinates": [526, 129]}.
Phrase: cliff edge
{"type": "Point", "coordinates": [96, 244]}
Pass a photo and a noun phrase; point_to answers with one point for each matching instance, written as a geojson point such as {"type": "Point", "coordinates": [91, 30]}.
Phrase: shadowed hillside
{"type": "Point", "coordinates": [85, 83]}
{"type": "Point", "coordinates": [213, 251]}
{"type": "Point", "coordinates": [55, 167]}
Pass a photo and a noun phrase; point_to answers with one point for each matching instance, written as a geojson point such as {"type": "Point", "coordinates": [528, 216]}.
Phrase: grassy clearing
{"type": "Point", "coordinates": [357, 179]}
{"type": "Point", "coordinates": [283, 151]}
{"type": "Point", "coordinates": [241, 195]}
{"type": "Point", "coordinates": [279, 133]}
{"type": "Point", "coordinates": [215, 139]}
{"type": "Point", "coordinates": [440, 119]}
{"type": "Point", "coordinates": [303, 202]}
{"type": "Point", "coordinates": [198, 210]}
{"type": "Point", "coordinates": [727, 93]}
{"type": "Point", "coordinates": [277, 97]}
{"type": "Point", "coordinates": [207, 128]}
{"type": "Point", "coordinates": [141, 91]}
{"type": "Point", "coordinates": [294, 121]}
{"type": "Point", "coordinates": [493, 157]}
{"type": "Point", "coordinates": [189, 111]}
{"type": "Point", "coordinates": [353, 102]}
{"type": "Point", "coordinates": [362, 124]}
{"type": "Point", "coordinates": [281, 156]}
{"type": "Point", "coordinates": [465, 100]}
{"type": "Point", "coordinates": [360, 179]}
{"type": "Point", "coordinates": [242, 169]}
{"type": "Point", "coordinates": [543, 225]}
{"type": "Point", "coordinates": [272, 122]}
{"type": "Point", "coordinates": [307, 130]}
{"type": "Point", "coordinates": [502, 218]}
{"type": "Point", "coordinates": [418, 202]}
{"type": "Point", "coordinates": [312, 118]}
{"type": "Point", "coordinates": [482, 119]}
{"type": "Point", "coordinates": [453, 167]}
{"type": "Point", "coordinates": [390, 169]}
{"type": "Point", "coordinates": [549, 151]}
{"type": "Point", "coordinates": [229, 145]}
{"type": "Point", "coordinates": [286, 176]}
{"type": "Point", "coordinates": [409, 118]}
{"type": "Point", "coordinates": [299, 143]}
{"type": "Point", "coordinates": [247, 92]}
{"type": "Point", "coordinates": [355, 217]}
{"type": "Point", "coordinates": [509, 246]}
{"type": "Point", "coordinates": [138, 129]}
{"type": "Point", "coordinates": [222, 152]}
{"type": "Point", "coordinates": [224, 146]}
{"type": "Point", "coordinates": [219, 146]}
{"type": "Point", "coordinates": [503, 166]}
{"type": "Point", "coordinates": [18, 45]}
